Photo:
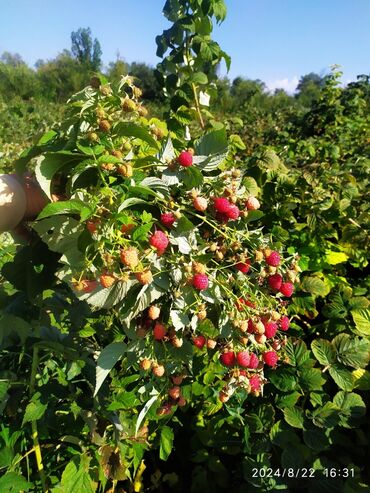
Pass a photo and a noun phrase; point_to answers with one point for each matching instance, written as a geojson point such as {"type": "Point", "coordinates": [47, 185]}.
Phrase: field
{"type": "Point", "coordinates": [184, 314]}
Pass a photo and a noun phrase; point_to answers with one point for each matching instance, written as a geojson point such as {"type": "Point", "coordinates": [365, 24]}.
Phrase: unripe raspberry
{"type": "Point", "coordinates": [141, 332]}
{"type": "Point", "coordinates": [200, 281]}
{"type": "Point", "coordinates": [253, 361]}
{"type": "Point", "coordinates": [284, 323]}
{"type": "Point", "coordinates": [252, 204]}
{"type": "Point", "coordinates": [233, 212]}
{"type": "Point", "coordinates": [258, 255]}
{"type": "Point", "coordinates": [243, 359]}
{"type": "Point", "coordinates": [128, 105]}
{"type": "Point", "coordinates": [107, 280]}
{"type": "Point", "coordinates": [200, 204]}
{"type": "Point", "coordinates": [137, 92]}
{"type": "Point", "coordinates": [158, 370]}
{"type": "Point", "coordinates": [223, 396]}
{"type": "Point", "coordinates": [198, 268]}
{"type": "Point", "coordinates": [105, 90]}
{"type": "Point", "coordinates": [167, 219]}
{"type": "Point", "coordinates": [176, 342]}
{"type": "Point", "coordinates": [244, 267]}
{"type": "Point", "coordinates": [185, 159]}
{"type": "Point", "coordinates": [228, 358]}
{"type": "Point", "coordinates": [211, 344]}
{"type": "Point", "coordinates": [202, 315]}
{"type": "Point", "coordinates": [159, 241]}
{"type": "Point", "coordinates": [154, 312]}
{"type": "Point", "coordinates": [267, 252]}
{"type": "Point", "coordinates": [199, 341]}
{"type": "Point", "coordinates": [244, 325]}
{"type": "Point", "coordinates": [93, 137]}
{"type": "Point", "coordinates": [174, 392]}
{"type": "Point", "coordinates": [259, 328]}
{"type": "Point", "coordinates": [276, 345]}
{"type": "Point", "coordinates": [221, 204]}
{"type": "Point", "coordinates": [271, 269]}
{"type": "Point", "coordinates": [116, 153]}
{"type": "Point", "coordinates": [219, 255]}
{"type": "Point", "coordinates": [145, 364]}
{"type": "Point", "coordinates": [142, 111]}
{"type": "Point", "coordinates": [287, 289]}
{"type": "Point", "coordinates": [159, 331]}
{"type": "Point", "coordinates": [260, 338]}
{"type": "Point", "coordinates": [270, 358]}
{"type": "Point", "coordinates": [164, 410]}
{"type": "Point", "coordinates": [144, 277]}
{"type": "Point", "coordinates": [273, 259]}
{"type": "Point", "coordinates": [275, 316]}
{"type": "Point", "coordinates": [129, 257]}
{"type": "Point", "coordinates": [104, 126]}
{"type": "Point", "coordinates": [213, 247]}
{"type": "Point", "coordinates": [125, 170]}
{"type": "Point", "coordinates": [158, 132]}
{"type": "Point", "coordinates": [270, 329]}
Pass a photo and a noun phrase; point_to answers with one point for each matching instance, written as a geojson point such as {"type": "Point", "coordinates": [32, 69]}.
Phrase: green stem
{"type": "Point", "coordinates": [35, 438]}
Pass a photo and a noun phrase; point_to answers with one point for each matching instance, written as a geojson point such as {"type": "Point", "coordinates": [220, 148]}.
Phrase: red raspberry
{"type": "Point", "coordinates": [92, 226]}
{"type": "Point", "coordinates": [221, 204]}
{"type": "Point", "coordinates": [252, 204]}
{"type": "Point", "coordinates": [243, 267]}
{"type": "Point", "coordinates": [228, 358]}
{"type": "Point", "coordinates": [200, 281]}
{"type": "Point", "coordinates": [167, 219]}
{"type": "Point", "coordinates": [174, 392]}
{"type": "Point", "coordinates": [253, 361]}
{"type": "Point", "coordinates": [126, 228]}
{"type": "Point", "coordinates": [233, 212]}
{"type": "Point", "coordinates": [159, 241]}
{"type": "Point", "coordinates": [199, 341]}
{"type": "Point", "coordinates": [242, 373]}
{"type": "Point", "coordinates": [251, 327]}
{"type": "Point", "coordinates": [273, 259]}
{"type": "Point", "coordinates": [255, 383]}
{"type": "Point", "coordinates": [243, 359]}
{"type": "Point", "coordinates": [275, 281]}
{"type": "Point", "coordinates": [270, 329]}
{"type": "Point", "coordinates": [185, 159]}
{"type": "Point", "coordinates": [270, 358]}
{"type": "Point", "coordinates": [284, 323]}
{"type": "Point", "coordinates": [87, 285]}
{"type": "Point", "coordinates": [200, 204]}
{"type": "Point", "coordinates": [286, 289]}
{"type": "Point", "coordinates": [159, 331]}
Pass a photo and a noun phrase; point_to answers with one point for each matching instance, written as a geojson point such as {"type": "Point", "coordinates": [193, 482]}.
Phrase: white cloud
{"type": "Point", "coordinates": [289, 85]}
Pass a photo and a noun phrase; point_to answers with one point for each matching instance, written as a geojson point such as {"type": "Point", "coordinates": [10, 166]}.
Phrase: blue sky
{"type": "Point", "coordinates": [276, 41]}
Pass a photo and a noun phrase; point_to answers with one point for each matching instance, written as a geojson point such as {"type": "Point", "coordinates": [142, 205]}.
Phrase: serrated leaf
{"type": "Point", "coordinates": [326, 416]}
{"type": "Point", "coordinates": [34, 410]}
{"type": "Point", "coordinates": [294, 417]}
{"type": "Point", "coordinates": [167, 152]}
{"type": "Point", "coordinates": [297, 352]}
{"type": "Point", "coordinates": [106, 361]}
{"type": "Point", "coordinates": [50, 163]}
{"type": "Point", "coordinates": [251, 187]}
{"type": "Point", "coordinates": [127, 129]}
{"type": "Point", "coordinates": [351, 408]}
{"type": "Point", "coordinates": [179, 319]}
{"type": "Point", "coordinates": [314, 286]}
{"type": "Point", "coordinates": [311, 379]}
{"type": "Point", "coordinates": [342, 377]}
{"type": "Point", "coordinates": [334, 258]}
{"type": "Point", "coordinates": [64, 207]}
{"type": "Point", "coordinates": [130, 202]}
{"type": "Point", "coordinates": [362, 321]}
{"type": "Point", "coordinates": [361, 379]}
{"type": "Point", "coordinates": [107, 297]}
{"type": "Point", "coordinates": [352, 351]}
{"type": "Point", "coordinates": [284, 379]}
{"type": "Point", "coordinates": [11, 482]}
{"type": "Point", "coordinates": [76, 477]}
{"type": "Point", "coordinates": [166, 442]}
{"type": "Point", "coordinates": [324, 351]}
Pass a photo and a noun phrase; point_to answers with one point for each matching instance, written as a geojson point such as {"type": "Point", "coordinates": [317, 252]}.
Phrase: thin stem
{"type": "Point", "coordinates": [197, 105]}
{"type": "Point", "coordinates": [35, 437]}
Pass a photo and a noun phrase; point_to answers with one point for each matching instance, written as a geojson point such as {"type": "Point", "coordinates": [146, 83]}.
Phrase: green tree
{"type": "Point", "coordinates": [87, 51]}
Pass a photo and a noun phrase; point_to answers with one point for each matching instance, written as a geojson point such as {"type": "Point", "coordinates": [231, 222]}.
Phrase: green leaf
{"type": "Point", "coordinates": [214, 142]}
{"type": "Point", "coordinates": [334, 258]}
{"type": "Point", "coordinates": [311, 379]}
{"type": "Point", "coordinates": [145, 410]}
{"type": "Point", "coordinates": [49, 164]}
{"type": "Point", "coordinates": [11, 482]}
{"type": "Point", "coordinates": [107, 297]}
{"type": "Point", "coordinates": [64, 207]}
{"type": "Point", "coordinates": [362, 321]}
{"type": "Point", "coordinates": [326, 416]}
{"type": "Point", "coordinates": [342, 377]}
{"type": "Point", "coordinates": [297, 352]}
{"type": "Point", "coordinates": [361, 379]}
{"type": "Point", "coordinates": [352, 351]}
{"type": "Point", "coordinates": [126, 129]}
{"type": "Point", "coordinates": [166, 442]}
{"type": "Point", "coordinates": [130, 202]}
{"type": "Point", "coordinates": [315, 286]}
{"type": "Point", "coordinates": [294, 417]}
{"type": "Point", "coordinates": [316, 439]}
{"type": "Point", "coordinates": [251, 186]}
{"type": "Point", "coordinates": [324, 351]}
{"type": "Point", "coordinates": [106, 361]}
{"type": "Point", "coordinates": [284, 379]}
{"type": "Point", "coordinates": [351, 406]}
{"type": "Point", "coordinates": [199, 78]}
{"type": "Point", "coordinates": [76, 477]}
{"type": "Point", "coordinates": [191, 177]}
{"type": "Point", "coordinates": [34, 410]}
